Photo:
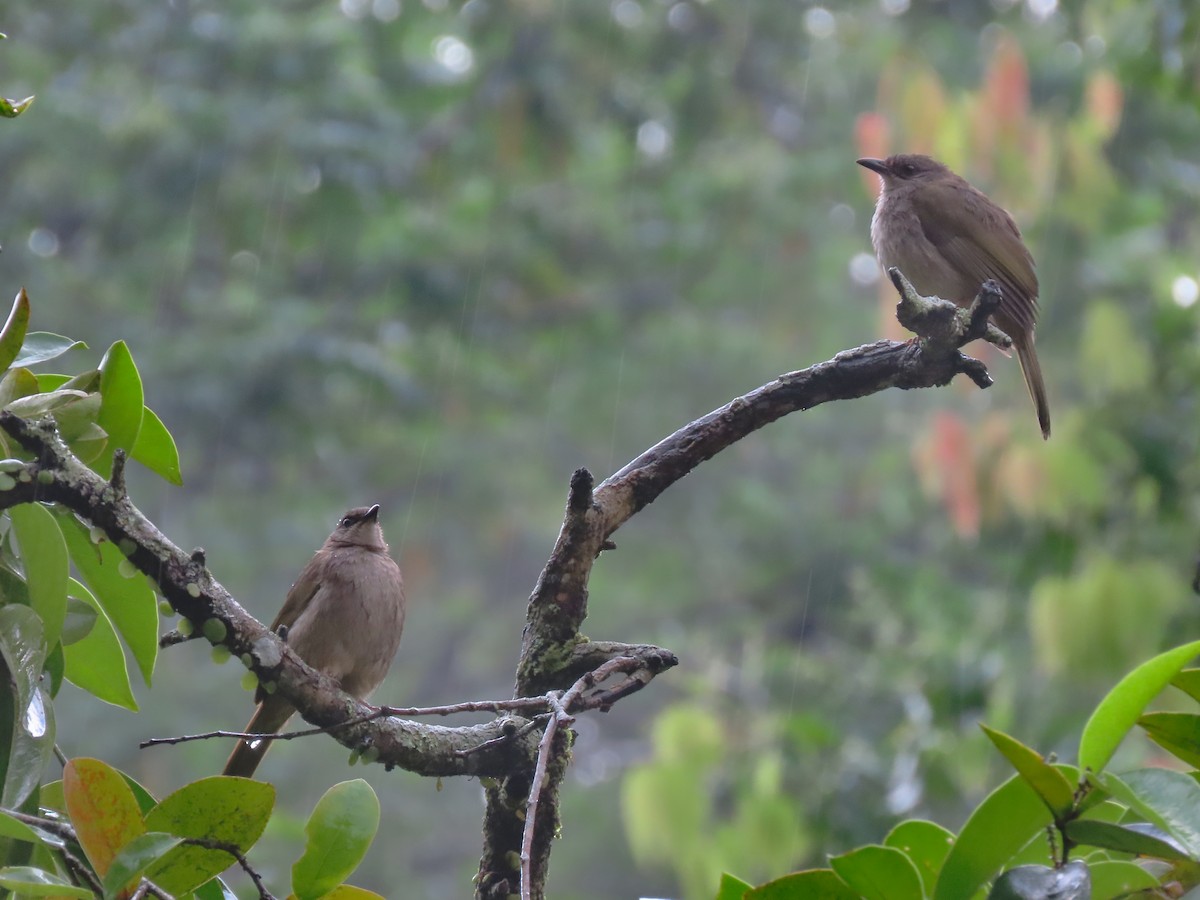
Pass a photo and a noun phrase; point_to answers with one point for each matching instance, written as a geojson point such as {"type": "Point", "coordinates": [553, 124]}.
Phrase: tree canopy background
{"type": "Point", "coordinates": [437, 255]}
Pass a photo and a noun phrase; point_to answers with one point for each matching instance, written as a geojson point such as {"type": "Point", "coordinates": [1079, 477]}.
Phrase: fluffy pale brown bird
{"type": "Point", "coordinates": [343, 616]}
{"type": "Point", "coordinates": [948, 238]}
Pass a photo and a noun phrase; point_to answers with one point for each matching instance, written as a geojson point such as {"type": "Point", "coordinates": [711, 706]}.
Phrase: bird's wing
{"type": "Point", "coordinates": [981, 255]}
{"type": "Point", "coordinates": [300, 595]}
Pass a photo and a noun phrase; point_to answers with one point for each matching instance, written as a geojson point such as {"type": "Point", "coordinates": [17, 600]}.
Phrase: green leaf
{"type": "Point", "coordinates": [350, 892]}
{"type": "Point", "coordinates": [121, 402]}
{"type": "Point", "coordinates": [36, 405]}
{"type": "Point", "coordinates": [926, 844]}
{"type": "Point", "coordinates": [214, 890]}
{"type": "Point", "coordinates": [10, 109]}
{"type": "Point", "coordinates": [230, 810]}
{"type": "Point", "coordinates": [96, 663]}
{"type": "Point", "coordinates": [53, 670]}
{"type": "Point", "coordinates": [1119, 711]}
{"type": "Point", "coordinates": [156, 448]}
{"type": "Point", "coordinates": [1178, 733]}
{"type": "Point", "coordinates": [339, 832]}
{"type": "Point", "coordinates": [1120, 878]}
{"type": "Point", "coordinates": [1111, 836]}
{"type": "Point", "coordinates": [81, 617]}
{"type": "Point", "coordinates": [77, 425]}
{"type": "Point", "coordinates": [811, 884]}
{"type": "Point", "coordinates": [17, 383]}
{"type": "Point", "coordinates": [13, 333]}
{"type": "Point", "coordinates": [1049, 784]}
{"type": "Point", "coordinates": [1170, 800]}
{"type": "Point", "coordinates": [31, 739]}
{"type": "Point", "coordinates": [1188, 681]}
{"type": "Point", "coordinates": [41, 346]}
{"type": "Point", "coordinates": [103, 810]}
{"type": "Point", "coordinates": [732, 888]}
{"type": "Point", "coordinates": [134, 858]}
{"type": "Point", "coordinates": [17, 830]}
{"type": "Point", "coordinates": [44, 557]}
{"type": "Point", "coordinates": [879, 873]}
{"type": "Point", "coordinates": [129, 603]}
{"type": "Point", "coordinates": [999, 827]}
{"type": "Point", "coordinates": [87, 381]}
{"type": "Point", "coordinates": [30, 882]}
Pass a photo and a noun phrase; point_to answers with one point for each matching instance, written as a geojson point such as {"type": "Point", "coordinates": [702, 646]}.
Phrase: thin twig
{"type": "Point", "coordinates": [237, 854]}
{"type": "Point", "coordinates": [383, 712]}
{"type": "Point", "coordinates": [562, 704]}
{"type": "Point", "coordinates": [535, 794]}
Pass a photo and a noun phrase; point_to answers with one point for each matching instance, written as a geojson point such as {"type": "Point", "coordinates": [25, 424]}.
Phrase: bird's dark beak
{"type": "Point", "coordinates": [372, 514]}
{"type": "Point", "coordinates": [878, 166]}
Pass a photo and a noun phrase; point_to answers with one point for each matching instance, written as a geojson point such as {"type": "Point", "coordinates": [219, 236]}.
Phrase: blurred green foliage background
{"type": "Point", "coordinates": [436, 255]}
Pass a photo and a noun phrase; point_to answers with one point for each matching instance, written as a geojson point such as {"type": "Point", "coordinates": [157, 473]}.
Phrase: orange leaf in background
{"type": "Point", "coordinates": [872, 137]}
{"type": "Point", "coordinates": [1006, 87]}
{"type": "Point", "coordinates": [103, 810]}
{"type": "Point", "coordinates": [946, 463]}
{"type": "Point", "coordinates": [1105, 102]}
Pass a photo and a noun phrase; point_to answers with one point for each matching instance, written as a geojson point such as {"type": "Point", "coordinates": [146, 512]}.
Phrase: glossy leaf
{"type": "Point", "coordinates": [155, 448]}
{"type": "Point", "coordinates": [44, 556]}
{"type": "Point", "coordinates": [231, 810]}
{"type": "Point", "coordinates": [1071, 882]}
{"type": "Point", "coordinates": [1111, 836]}
{"type": "Point", "coordinates": [36, 405]}
{"type": "Point", "coordinates": [135, 857]}
{"type": "Point", "coordinates": [879, 873]}
{"type": "Point", "coordinates": [1168, 799]}
{"type": "Point", "coordinates": [1120, 878]}
{"type": "Point", "coordinates": [121, 402]}
{"type": "Point", "coordinates": [96, 663]}
{"type": "Point", "coordinates": [339, 832]}
{"type": "Point", "coordinates": [31, 739]}
{"type": "Point", "coordinates": [31, 882]}
{"type": "Point", "coordinates": [10, 109]}
{"type": "Point", "coordinates": [1178, 733]}
{"type": "Point", "coordinates": [103, 810]}
{"type": "Point", "coordinates": [1048, 782]}
{"type": "Point", "coordinates": [1000, 826]}
{"type": "Point", "coordinates": [1119, 711]}
{"type": "Point", "coordinates": [17, 383]}
{"type": "Point", "coordinates": [12, 335]}
{"type": "Point", "coordinates": [129, 603]}
{"type": "Point", "coordinates": [41, 346]}
{"type": "Point", "coordinates": [812, 884]}
{"type": "Point", "coordinates": [926, 844]}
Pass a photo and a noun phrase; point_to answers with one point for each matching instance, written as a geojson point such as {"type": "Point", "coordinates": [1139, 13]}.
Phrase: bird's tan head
{"type": "Point", "coordinates": [359, 527]}
{"type": "Point", "coordinates": [905, 168]}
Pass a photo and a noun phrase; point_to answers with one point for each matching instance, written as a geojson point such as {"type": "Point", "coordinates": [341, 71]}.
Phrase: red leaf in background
{"type": "Point", "coordinates": [872, 136]}
{"type": "Point", "coordinates": [945, 464]}
{"type": "Point", "coordinates": [1006, 87]}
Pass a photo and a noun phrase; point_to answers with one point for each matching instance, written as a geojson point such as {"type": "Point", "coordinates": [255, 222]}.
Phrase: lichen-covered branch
{"type": "Point", "coordinates": [552, 646]}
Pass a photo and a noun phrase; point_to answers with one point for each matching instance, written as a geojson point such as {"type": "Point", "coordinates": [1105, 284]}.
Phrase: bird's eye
{"type": "Point", "coordinates": [908, 170]}
{"type": "Point", "coordinates": [346, 522]}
